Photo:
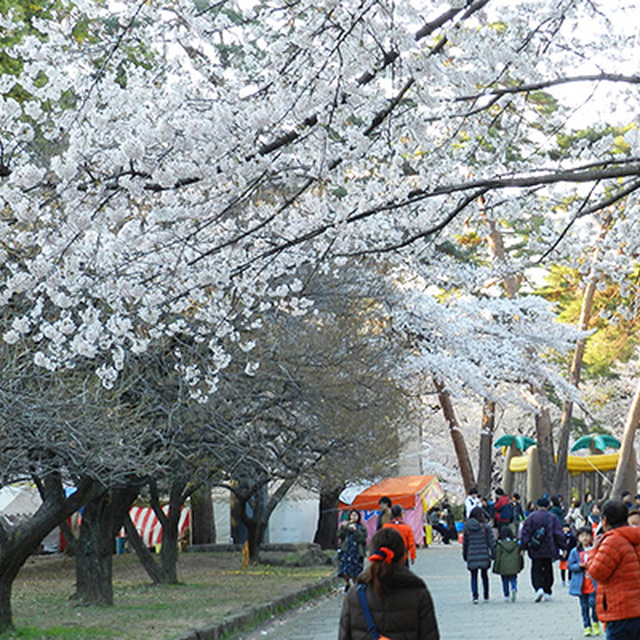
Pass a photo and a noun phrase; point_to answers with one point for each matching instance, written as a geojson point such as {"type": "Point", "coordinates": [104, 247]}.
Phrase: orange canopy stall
{"type": "Point", "coordinates": [415, 494]}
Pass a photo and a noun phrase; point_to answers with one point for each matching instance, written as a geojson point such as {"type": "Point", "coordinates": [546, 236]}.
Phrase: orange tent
{"type": "Point", "coordinates": [415, 494]}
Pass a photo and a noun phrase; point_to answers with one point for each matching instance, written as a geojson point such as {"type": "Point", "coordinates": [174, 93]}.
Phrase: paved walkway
{"type": "Point", "coordinates": [446, 576]}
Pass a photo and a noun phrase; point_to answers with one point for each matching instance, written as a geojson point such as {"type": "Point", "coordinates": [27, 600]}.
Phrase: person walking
{"type": "Point", "coordinates": [614, 563]}
{"type": "Point", "coordinates": [594, 518]}
{"type": "Point", "coordinates": [389, 598]}
{"type": "Point", "coordinates": [570, 541]}
{"type": "Point", "coordinates": [581, 584]}
{"type": "Point", "coordinates": [518, 512]}
{"type": "Point", "coordinates": [478, 547]}
{"type": "Point", "coordinates": [384, 515]}
{"type": "Point", "coordinates": [405, 531]}
{"type": "Point", "coordinates": [352, 538]}
{"type": "Point", "coordinates": [503, 510]}
{"type": "Point", "coordinates": [585, 507]}
{"type": "Point", "coordinates": [556, 508]}
{"type": "Point", "coordinates": [508, 563]}
{"type": "Point", "coordinates": [471, 501]}
{"type": "Point", "coordinates": [574, 516]}
{"type": "Point", "coordinates": [541, 536]}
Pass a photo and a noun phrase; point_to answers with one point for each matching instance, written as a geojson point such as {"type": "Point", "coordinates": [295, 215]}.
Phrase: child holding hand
{"type": "Point", "coordinates": [508, 562]}
{"type": "Point", "coordinates": [581, 584]}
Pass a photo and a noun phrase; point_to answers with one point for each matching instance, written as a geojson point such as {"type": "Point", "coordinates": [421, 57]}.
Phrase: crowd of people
{"type": "Point", "coordinates": [597, 546]}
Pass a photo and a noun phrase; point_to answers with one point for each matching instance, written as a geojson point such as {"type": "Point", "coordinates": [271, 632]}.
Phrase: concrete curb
{"type": "Point", "coordinates": [255, 615]}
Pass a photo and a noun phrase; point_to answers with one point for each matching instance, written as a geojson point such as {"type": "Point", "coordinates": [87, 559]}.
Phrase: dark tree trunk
{"type": "Point", "coordinates": [13, 555]}
{"type": "Point", "coordinates": [261, 507]}
{"type": "Point", "coordinates": [147, 559]}
{"type": "Point", "coordinates": [165, 571]}
{"type": "Point", "coordinates": [169, 554]}
{"type": "Point", "coordinates": [255, 533]}
{"type": "Point", "coordinates": [170, 532]}
{"type": "Point", "coordinates": [327, 530]}
{"type": "Point", "coordinates": [101, 520]}
{"type": "Point", "coordinates": [459, 444]}
{"type": "Point", "coordinates": [486, 448]}
{"type": "Point", "coordinates": [18, 543]}
{"type": "Point", "coordinates": [94, 557]}
{"type": "Point", "coordinates": [238, 527]}
{"type": "Point", "coordinates": [203, 527]}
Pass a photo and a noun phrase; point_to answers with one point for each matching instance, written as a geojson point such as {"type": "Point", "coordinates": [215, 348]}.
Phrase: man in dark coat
{"type": "Point", "coordinates": [542, 537]}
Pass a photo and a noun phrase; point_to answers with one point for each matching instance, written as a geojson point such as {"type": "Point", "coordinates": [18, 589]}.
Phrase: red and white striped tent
{"type": "Point", "coordinates": [149, 527]}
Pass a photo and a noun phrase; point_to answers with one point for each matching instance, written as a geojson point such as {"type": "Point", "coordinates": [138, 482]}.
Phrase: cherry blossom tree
{"type": "Point", "coordinates": [170, 160]}
{"type": "Point", "coordinates": [168, 169]}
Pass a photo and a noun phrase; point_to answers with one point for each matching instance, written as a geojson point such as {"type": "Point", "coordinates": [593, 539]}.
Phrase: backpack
{"type": "Point", "coordinates": [506, 513]}
{"type": "Point", "coordinates": [538, 537]}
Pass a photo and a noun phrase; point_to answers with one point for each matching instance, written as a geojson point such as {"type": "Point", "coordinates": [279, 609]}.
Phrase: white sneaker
{"type": "Point", "coordinates": [507, 599]}
{"type": "Point", "coordinates": [539, 595]}
{"type": "Point", "coordinates": [547, 597]}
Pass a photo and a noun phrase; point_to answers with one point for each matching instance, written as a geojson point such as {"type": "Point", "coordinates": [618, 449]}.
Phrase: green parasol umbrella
{"type": "Point", "coordinates": [597, 442]}
{"type": "Point", "coordinates": [522, 442]}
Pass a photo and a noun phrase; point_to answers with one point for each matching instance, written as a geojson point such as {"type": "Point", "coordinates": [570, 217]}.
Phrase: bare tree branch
{"type": "Point", "coordinates": [545, 84]}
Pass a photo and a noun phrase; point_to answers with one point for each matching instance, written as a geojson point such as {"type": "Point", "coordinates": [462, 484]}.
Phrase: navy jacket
{"type": "Point", "coordinates": [553, 539]}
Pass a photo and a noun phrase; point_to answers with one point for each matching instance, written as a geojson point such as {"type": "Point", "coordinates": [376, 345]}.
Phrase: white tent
{"type": "Point", "coordinates": [19, 500]}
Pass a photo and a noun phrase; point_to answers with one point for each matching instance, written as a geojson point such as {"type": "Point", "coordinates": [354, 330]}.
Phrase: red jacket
{"type": "Point", "coordinates": [615, 565]}
{"type": "Point", "coordinates": [407, 535]}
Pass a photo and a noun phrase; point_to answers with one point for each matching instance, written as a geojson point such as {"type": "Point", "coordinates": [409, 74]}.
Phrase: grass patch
{"type": "Point", "coordinates": [213, 586]}
{"type": "Point", "coordinates": [30, 633]}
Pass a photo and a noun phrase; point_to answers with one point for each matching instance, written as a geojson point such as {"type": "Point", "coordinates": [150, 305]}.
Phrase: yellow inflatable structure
{"type": "Point", "coordinates": [591, 473]}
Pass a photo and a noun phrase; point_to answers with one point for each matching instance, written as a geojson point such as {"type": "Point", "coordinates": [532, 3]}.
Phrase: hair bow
{"type": "Point", "coordinates": [383, 554]}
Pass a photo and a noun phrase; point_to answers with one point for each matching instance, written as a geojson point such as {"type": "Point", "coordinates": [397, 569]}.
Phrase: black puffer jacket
{"type": "Point", "coordinates": [478, 545]}
{"type": "Point", "coordinates": [404, 612]}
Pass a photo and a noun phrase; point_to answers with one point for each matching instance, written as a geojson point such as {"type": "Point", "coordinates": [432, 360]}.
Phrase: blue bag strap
{"type": "Point", "coordinates": [371, 625]}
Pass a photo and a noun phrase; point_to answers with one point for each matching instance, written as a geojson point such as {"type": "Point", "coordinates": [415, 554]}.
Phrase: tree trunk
{"type": "Point", "coordinates": [262, 506]}
{"type": "Point", "coordinates": [486, 448]}
{"type": "Point", "coordinates": [460, 446]}
{"type": "Point", "coordinates": [255, 533]}
{"type": "Point", "coordinates": [12, 556]}
{"type": "Point", "coordinates": [327, 529]}
{"type": "Point", "coordinates": [236, 509]}
{"type": "Point", "coordinates": [203, 527]}
{"type": "Point", "coordinates": [147, 559]}
{"type": "Point", "coordinates": [625, 477]}
{"type": "Point", "coordinates": [496, 244]}
{"type": "Point", "coordinates": [18, 543]}
{"type": "Point", "coordinates": [170, 532]}
{"type": "Point", "coordinates": [560, 482]}
{"type": "Point", "coordinates": [101, 521]}
{"type": "Point", "coordinates": [169, 552]}
{"type": "Point", "coordinates": [166, 570]}
{"type": "Point", "coordinates": [94, 558]}
{"type": "Point", "coordinates": [545, 448]}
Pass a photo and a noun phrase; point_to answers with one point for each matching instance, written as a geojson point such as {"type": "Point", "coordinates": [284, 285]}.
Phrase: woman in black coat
{"type": "Point", "coordinates": [478, 549]}
{"type": "Point", "coordinates": [399, 601]}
